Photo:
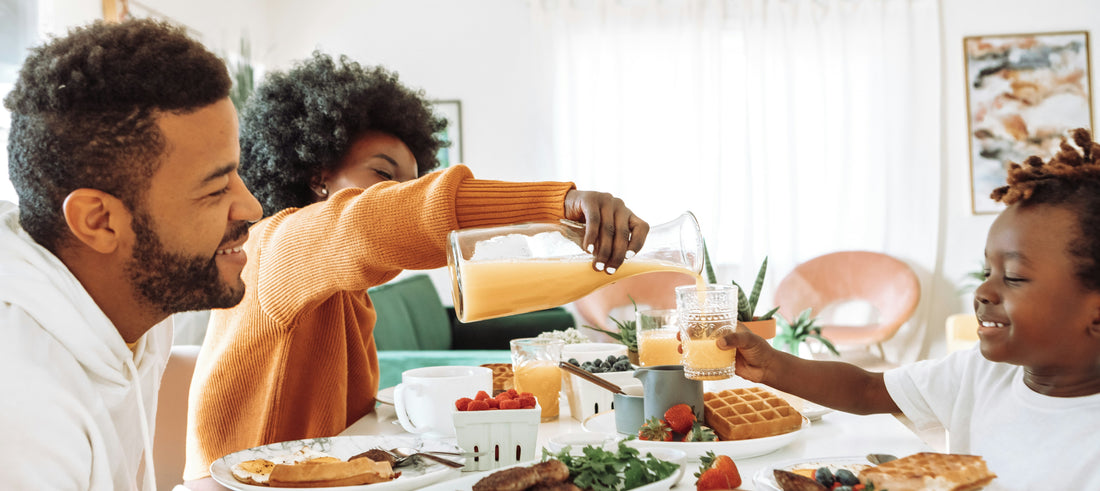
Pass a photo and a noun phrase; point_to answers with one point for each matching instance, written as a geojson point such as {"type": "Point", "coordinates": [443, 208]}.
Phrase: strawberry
{"type": "Point", "coordinates": [503, 396]}
{"type": "Point", "coordinates": [463, 404]}
{"type": "Point", "coordinates": [655, 430]}
{"type": "Point", "coordinates": [700, 433]}
{"type": "Point", "coordinates": [680, 418]}
{"type": "Point", "coordinates": [510, 404]}
{"type": "Point", "coordinates": [481, 396]}
{"type": "Point", "coordinates": [527, 402]}
{"type": "Point", "coordinates": [721, 465]}
{"type": "Point", "coordinates": [512, 393]}
{"type": "Point", "coordinates": [493, 403]}
{"type": "Point", "coordinates": [712, 479]}
{"type": "Point", "coordinates": [478, 405]}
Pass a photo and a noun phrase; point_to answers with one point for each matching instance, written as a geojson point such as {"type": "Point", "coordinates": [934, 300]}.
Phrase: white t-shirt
{"type": "Point", "coordinates": [1029, 440]}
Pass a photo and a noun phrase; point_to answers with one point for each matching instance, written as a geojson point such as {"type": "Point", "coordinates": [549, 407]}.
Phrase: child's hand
{"type": "Point", "coordinates": [754, 354]}
{"type": "Point", "coordinates": [612, 230]}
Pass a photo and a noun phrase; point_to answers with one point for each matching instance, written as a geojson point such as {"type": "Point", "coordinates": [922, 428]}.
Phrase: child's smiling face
{"type": "Point", "coordinates": [1032, 308]}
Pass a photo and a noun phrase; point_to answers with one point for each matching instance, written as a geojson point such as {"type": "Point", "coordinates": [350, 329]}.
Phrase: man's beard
{"type": "Point", "coordinates": [172, 282]}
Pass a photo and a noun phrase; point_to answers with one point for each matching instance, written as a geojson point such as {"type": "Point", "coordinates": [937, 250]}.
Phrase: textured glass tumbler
{"type": "Point", "coordinates": [657, 341]}
{"type": "Point", "coordinates": [535, 368]}
{"type": "Point", "coordinates": [706, 314]}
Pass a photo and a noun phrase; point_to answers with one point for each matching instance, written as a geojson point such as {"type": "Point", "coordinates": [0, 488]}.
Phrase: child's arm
{"type": "Point", "coordinates": [838, 385]}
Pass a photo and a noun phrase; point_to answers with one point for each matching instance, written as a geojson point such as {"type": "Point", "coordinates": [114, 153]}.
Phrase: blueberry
{"type": "Point", "coordinates": [621, 366]}
{"type": "Point", "coordinates": [611, 359]}
{"type": "Point", "coordinates": [573, 361]}
{"type": "Point", "coordinates": [824, 477]}
{"type": "Point", "coordinates": [846, 477]}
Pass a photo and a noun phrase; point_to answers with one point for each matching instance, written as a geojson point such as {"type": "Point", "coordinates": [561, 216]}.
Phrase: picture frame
{"type": "Point", "coordinates": [1024, 92]}
{"type": "Point", "coordinates": [452, 111]}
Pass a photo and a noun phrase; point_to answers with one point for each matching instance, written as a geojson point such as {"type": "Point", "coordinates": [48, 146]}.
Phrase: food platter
{"type": "Point", "coordinates": [765, 479]}
{"type": "Point", "coordinates": [735, 449]}
{"type": "Point", "coordinates": [467, 481]}
{"type": "Point", "coordinates": [416, 476]}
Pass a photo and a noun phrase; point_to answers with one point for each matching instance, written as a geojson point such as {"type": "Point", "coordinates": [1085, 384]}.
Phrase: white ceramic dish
{"type": "Point", "coordinates": [814, 412]}
{"type": "Point", "coordinates": [467, 481]}
{"type": "Point", "coordinates": [765, 478]}
{"type": "Point", "coordinates": [385, 396]}
{"type": "Point", "coordinates": [416, 476]}
{"type": "Point", "coordinates": [737, 449]}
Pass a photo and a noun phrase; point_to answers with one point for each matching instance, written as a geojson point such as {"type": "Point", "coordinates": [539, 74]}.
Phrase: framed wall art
{"type": "Point", "coordinates": [452, 110]}
{"type": "Point", "coordinates": [1024, 92]}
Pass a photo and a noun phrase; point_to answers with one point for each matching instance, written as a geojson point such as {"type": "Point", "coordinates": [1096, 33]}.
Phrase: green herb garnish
{"type": "Point", "coordinates": [601, 470]}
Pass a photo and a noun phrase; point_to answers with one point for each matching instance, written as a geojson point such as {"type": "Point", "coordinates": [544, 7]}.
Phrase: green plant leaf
{"type": "Point", "coordinates": [768, 315]}
{"type": "Point", "coordinates": [828, 344]}
{"type": "Point", "coordinates": [757, 286]}
{"type": "Point", "coordinates": [744, 312]}
{"type": "Point", "coordinates": [711, 278]}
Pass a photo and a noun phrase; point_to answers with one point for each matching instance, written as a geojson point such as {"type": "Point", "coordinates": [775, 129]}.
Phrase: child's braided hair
{"type": "Point", "coordinates": [1070, 179]}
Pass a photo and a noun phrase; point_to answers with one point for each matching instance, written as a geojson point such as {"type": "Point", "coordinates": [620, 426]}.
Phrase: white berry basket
{"type": "Point", "coordinates": [497, 437]}
{"type": "Point", "coordinates": [586, 398]}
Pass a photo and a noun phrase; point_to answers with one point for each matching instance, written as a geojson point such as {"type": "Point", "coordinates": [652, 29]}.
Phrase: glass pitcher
{"type": "Point", "coordinates": [512, 269]}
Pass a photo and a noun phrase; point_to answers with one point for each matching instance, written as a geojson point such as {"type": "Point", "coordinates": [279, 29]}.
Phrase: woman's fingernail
{"type": "Point", "coordinates": [599, 266]}
{"type": "Point", "coordinates": [591, 247]}
{"type": "Point", "coordinates": [629, 254]}
{"type": "Point", "coordinates": [610, 270]}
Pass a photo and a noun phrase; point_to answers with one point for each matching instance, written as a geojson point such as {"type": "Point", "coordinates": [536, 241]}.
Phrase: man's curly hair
{"type": "Point", "coordinates": [84, 109]}
{"type": "Point", "coordinates": [1071, 179]}
{"type": "Point", "coordinates": [300, 123]}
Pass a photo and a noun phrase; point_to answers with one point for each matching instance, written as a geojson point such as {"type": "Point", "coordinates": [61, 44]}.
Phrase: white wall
{"type": "Point", "coordinates": [963, 234]}
{"type": "Point", "coordinates": [480, 51]}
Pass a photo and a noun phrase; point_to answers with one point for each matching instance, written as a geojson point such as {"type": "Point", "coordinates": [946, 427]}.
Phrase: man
{"type": "Point", "coordinates": [124, 153]}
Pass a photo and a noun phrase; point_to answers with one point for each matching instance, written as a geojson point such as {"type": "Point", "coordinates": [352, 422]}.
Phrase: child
{"type": "Point", "coordinates": [1028, 401]}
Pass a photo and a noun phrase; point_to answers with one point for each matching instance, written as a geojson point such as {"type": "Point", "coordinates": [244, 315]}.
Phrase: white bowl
{"type": "Point", "coordinates": [580, 439]}
{"type": "Point", "coordinates": [667, 454]}
{"type": "Point", "coordinates": [590, 351]}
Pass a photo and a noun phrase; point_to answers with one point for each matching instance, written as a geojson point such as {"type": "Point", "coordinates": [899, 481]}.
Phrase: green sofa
{"type": "Point", "coordinates": [414, 329]}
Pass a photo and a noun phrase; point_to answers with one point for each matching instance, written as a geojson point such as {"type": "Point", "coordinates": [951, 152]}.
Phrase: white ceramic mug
{"type": "Point", "coordinates": [426, 397]}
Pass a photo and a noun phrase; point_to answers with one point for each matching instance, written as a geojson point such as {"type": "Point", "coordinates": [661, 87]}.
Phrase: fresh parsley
{"type": "Point", "coordinates": [602, 470]}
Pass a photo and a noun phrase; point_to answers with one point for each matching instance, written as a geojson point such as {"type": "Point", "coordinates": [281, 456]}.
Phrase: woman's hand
{"type": "Point", "coordinates": [612, 232]}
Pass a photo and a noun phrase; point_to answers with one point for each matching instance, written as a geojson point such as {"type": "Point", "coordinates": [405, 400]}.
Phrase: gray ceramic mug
{"type": "Point", "coordinates": [629, 409]}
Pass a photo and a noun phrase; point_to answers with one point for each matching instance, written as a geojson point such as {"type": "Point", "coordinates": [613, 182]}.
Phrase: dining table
{"type": "Point", "coordinates": [834, 435]}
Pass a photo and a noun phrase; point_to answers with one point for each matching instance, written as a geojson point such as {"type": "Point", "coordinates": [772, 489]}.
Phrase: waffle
{"type": "Point", "coordinates": [930, 471]}
{"type": "Point", "coordinates": [502, 376]}
{"type": "Point", "coordinates": [742, 414]}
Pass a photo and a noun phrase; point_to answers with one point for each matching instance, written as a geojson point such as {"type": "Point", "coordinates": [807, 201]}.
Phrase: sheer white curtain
{"type": "Point", "coordinates": [790, 128]}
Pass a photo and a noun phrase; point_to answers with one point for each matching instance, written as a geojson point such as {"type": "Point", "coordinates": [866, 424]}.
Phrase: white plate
{"type": "Point", "coordinates": [467, 481]}
{"type": "Point", "coordinates": [765, 478]}
{"type": "Point", "coordinates": [385, 396]}
{"type": "Point", "coordinates": [415, 476]}
{"type": "Point", "coordinates": [735, 449]}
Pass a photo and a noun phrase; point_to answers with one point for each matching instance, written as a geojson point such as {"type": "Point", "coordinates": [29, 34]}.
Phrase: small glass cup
{"type": "Point", "coordinates": [657, 341]}
{"type": "Point", "coordinates": [535, 368]}
{"type": "Point", "coordinates": [706, 314]}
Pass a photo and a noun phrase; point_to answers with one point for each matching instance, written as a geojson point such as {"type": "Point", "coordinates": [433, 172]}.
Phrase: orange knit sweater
{"type": "Point", "coordinates": [296, 359]}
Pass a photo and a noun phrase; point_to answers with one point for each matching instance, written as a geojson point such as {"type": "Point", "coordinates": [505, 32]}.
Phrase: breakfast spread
{"type": "Point", "coordinates": [308, 468]}
{"type": "Point", "coordinates": [503, 379]}
{"type": "Point", "coordinates": [741, 414]}
{"type": "Point", "coordinates": [930, 471]}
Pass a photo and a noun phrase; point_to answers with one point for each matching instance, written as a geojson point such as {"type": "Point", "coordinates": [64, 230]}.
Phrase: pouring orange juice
{"type": "Point", "coordinates": [499, 271]}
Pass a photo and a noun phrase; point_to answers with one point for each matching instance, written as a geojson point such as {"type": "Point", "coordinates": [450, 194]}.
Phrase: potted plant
{"type": "Point", "coordinates": [627, 334]}
{"type": "Point", "coordinates": [792, 335]}
{"type": "Point", "coordinates": [763, 325]}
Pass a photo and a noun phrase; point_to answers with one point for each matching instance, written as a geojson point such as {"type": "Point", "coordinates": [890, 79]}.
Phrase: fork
{"type": "Point", "coordinates": [403, 454]}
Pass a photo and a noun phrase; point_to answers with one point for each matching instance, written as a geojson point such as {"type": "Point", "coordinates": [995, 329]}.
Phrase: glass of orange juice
{"type": "Point", "coordinates": [657, 341]}
{"type": "Point", "coordinates": [535, 368]}
{"type": "Point", "coordinates": [705, 313]}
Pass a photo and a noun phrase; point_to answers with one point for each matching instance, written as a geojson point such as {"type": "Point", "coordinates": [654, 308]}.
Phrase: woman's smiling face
{"type": "Point", "coordinates": [1032, 309]}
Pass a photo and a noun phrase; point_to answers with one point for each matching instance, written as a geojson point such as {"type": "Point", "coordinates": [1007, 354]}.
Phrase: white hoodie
{"type": "Point", "coordinates": [77, 406]}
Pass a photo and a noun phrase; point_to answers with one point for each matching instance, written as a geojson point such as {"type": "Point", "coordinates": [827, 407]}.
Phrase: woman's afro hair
{"type": "Point", "coordinates": [300, 123]}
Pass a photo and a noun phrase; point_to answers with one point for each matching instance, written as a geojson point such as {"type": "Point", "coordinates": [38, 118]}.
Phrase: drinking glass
{"type": "Point", "coordinates": [535, 368]}
{"type": "Point", "coordinates": [705, 314]}
{"type": "Point", "coordinates": [657, 341]}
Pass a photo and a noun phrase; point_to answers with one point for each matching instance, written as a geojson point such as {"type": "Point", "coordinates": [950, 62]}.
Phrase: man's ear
{"type": "Point", "coordinates": [96, 219]}
{"type": "Point", "coordinates": [1094, 324]}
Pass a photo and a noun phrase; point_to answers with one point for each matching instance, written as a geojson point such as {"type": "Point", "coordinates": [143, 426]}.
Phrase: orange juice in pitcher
{"type": "Point", "coordinates": [499, 271]}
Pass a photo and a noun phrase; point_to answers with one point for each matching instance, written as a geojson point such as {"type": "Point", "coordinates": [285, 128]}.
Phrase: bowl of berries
{"type": "Point", "coordinates": [499, 431]}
